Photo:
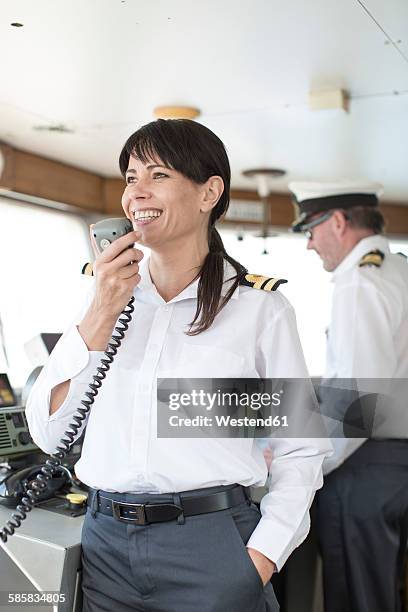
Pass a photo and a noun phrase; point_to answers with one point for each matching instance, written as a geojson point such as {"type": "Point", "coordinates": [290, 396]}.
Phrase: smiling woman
{"type": "Point", "coordinates": [209, 548]}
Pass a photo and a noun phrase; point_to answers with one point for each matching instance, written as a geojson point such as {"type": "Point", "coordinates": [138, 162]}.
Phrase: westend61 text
{"type": "Point", "coordinates": [227, 421]}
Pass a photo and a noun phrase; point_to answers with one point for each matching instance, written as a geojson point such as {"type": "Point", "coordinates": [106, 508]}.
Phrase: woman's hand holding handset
{"type": "Point", "coordinates": [116, 271]}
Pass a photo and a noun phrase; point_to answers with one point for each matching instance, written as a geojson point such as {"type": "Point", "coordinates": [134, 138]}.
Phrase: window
{"type": "Point", "coordinates": [309, 288]}
{"type": "Point", "coordinates": [42, 253]}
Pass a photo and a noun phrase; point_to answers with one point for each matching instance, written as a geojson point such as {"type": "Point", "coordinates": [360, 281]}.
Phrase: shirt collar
{"type": "Point", "coordinates": [189, 292]}
{"type": "Point", "coordinates": [364, 246]}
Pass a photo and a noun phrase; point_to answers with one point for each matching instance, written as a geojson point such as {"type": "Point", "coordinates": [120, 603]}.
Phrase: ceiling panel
{"type": "Point", "coordinates": [100, 66]}
{"type": "Point", "coordinates": [392, 16]}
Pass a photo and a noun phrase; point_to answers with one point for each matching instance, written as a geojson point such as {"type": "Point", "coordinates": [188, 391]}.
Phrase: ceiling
{"type": "Point", "coordinates": [99, 67]}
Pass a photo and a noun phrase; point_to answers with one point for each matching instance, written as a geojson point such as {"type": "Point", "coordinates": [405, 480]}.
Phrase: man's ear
{"type": "Point", "coordinates": [212, 191]}
{"type": "Point", "coordinates": [339, 222]}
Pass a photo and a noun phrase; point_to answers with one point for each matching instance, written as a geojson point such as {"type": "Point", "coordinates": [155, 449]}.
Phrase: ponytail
{"type": "Point", "coordinates": [209, 302]}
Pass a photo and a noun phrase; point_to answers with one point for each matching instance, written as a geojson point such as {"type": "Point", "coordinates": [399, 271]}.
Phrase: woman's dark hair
{"type": "Point", "coordinates": [193, 150]}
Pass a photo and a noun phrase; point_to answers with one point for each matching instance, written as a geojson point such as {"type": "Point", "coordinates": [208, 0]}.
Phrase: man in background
{"type": "Point", "coordinates": [362, 511]}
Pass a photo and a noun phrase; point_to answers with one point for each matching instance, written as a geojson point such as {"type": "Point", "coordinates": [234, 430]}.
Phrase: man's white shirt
{"type": "Point", "coordinates": [254, 336]}
{"type": "Point", "coordinates": [368, 332]}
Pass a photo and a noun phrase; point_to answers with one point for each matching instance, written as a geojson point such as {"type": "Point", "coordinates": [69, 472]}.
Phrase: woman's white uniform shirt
{"type": "Point", "coordinates": [254, 336]}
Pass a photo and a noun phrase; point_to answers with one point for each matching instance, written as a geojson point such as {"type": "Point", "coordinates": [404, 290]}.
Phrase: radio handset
{"type": "Point", "coordinates": [105, 232]}
{"type": "Point", "coordinates": [108, 230]}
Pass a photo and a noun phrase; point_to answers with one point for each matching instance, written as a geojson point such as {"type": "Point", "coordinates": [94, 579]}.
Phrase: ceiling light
{"type": "Point", "coordinates": [264, 178]}
{"type": "Point", "coordinates": [176, 112]}
{"type": "Point", "coordinates": [329, 99]}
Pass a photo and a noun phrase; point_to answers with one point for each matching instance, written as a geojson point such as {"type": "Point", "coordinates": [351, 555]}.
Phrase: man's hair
{"type": "Point", "coordinates": [365, 217]}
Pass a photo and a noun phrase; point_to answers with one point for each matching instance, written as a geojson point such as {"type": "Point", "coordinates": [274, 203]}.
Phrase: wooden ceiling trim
{"type": "Point", "coordinates": [38, 176]}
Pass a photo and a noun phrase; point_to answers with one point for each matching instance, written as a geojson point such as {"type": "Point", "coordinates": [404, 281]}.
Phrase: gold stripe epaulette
{"type": "Point", "coordinates": [87, 269]}
{"type": "Point", "coordinates": [266, 283]}
{"type": "Point", "coordinates": [373, 258]}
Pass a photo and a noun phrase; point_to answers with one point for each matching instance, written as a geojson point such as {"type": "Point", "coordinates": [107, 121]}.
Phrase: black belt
{"type": "Point", "coordinates": [143, 514]}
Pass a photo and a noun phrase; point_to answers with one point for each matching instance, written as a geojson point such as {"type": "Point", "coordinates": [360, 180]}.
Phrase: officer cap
{"type": "Point", "coordinates": [311, 198]}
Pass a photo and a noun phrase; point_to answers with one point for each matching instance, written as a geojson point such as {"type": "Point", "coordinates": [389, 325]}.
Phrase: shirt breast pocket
{"type": "Point", "coordinates": [204, 361]}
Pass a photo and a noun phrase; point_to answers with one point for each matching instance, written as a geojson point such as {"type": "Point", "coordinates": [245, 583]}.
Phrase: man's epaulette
{"type": "Point", "coordinates": [373, 258]}
{"type": "Point", "coordinates": [87, 269]}
{"type": "Point", "coordinates": [262, 282]}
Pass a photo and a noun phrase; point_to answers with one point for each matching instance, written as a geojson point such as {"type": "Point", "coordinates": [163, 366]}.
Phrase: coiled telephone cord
{"type": "Point", "coordinates": [39, 484]}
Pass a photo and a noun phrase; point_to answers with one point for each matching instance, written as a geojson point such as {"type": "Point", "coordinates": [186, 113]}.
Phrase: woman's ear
{"type": "Point", "coordinates": [212, 191]}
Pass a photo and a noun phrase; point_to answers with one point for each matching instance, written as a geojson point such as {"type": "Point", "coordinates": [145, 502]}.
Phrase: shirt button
{"type": "Point", "coordinates": [166, 308]}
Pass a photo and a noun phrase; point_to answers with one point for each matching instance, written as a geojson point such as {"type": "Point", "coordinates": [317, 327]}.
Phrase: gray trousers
{"type": "Point", "coordinates": [200, 564]}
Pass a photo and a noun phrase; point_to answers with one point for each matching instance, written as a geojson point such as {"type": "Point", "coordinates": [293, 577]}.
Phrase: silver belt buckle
{"type": "Point", "coordinates": [137, 509]}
